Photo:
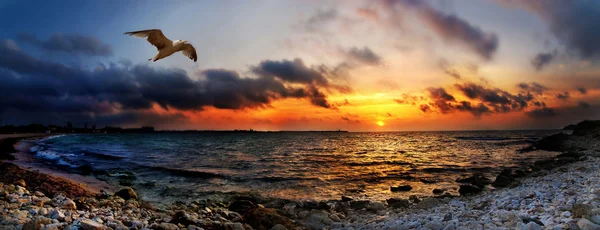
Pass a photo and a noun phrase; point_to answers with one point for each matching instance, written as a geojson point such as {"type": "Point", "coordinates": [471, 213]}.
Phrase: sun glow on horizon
{"type": "Point", "coordinates": [380, 123]}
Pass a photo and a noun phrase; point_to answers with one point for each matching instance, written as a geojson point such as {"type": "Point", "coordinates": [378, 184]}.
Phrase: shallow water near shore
{"type": "Point", "coordinates": [166, 167]}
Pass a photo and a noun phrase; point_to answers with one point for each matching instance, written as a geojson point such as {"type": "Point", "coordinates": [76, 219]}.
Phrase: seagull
{"type": "Point", "coordinates": [165, 46]}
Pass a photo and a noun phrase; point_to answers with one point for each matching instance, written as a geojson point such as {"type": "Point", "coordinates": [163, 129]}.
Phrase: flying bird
{"type": "Point", "coordinates": [165, 46]}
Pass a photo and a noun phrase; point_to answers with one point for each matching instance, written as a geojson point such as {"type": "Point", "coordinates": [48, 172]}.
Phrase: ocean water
{"type": "Point", "coordinates": [167, 167]}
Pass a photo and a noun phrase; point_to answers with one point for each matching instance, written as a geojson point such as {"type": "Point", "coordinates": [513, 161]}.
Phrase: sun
{"type": "Point", "coordinates": [380, 123]}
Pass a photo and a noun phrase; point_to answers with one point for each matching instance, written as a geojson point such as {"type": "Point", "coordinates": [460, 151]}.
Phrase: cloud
{"type": "Point", "coordinates": [453, 73]}
{"type": "Point", "coordinates": [365, 56]}
{"type": "Point", "coordinates": [450, 27]}
{"type": "Point", "coordinates": [408, 99]}
{"type": "Point", "coordinates": [573, 23]}
{"type": "Point", "coordinates": [582, 90]}
{"type": "Point", "coordinates": [368, 13]}
{"type": "Point", "coordinates": [542, 59]}
{"type": "Point", "coordinates": [563, 96]}
{"type": "Point", "coordinates": [69, 43]}
{"type": "Point", "coordinates": [31, 85]}
{"type": "Point", "coordinates": [424, 108]}
{"type": "Point", "coordinates": [532, 87]}
{"type": "Point", "coordinates": [583, 105]}
{"type": "Point", "coordinates": [544, 112]}
{"type": "Point", "coordinates": [319, 19]}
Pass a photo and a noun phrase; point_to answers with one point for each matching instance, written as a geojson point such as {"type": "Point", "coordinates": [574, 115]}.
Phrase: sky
{"type": "Point", "coordinates": [357, 65]}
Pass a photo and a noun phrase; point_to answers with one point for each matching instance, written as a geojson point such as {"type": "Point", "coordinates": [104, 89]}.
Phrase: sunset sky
{"type": "Point", "coordinates": [382, 65]}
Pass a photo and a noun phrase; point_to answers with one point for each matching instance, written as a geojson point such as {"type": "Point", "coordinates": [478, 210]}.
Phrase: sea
{"type": "Point", "coordinates": [166, 167]}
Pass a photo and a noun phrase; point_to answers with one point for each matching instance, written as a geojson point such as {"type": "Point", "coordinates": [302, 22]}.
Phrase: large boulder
{"type": "Point", "coordinates": [266, 218]}
{"type": "Point", "coordinates": [127, 193]}
{"type": "Point", "coordinates": [90, 225]}
{"type": "Point", "coordinates": [398, 203]}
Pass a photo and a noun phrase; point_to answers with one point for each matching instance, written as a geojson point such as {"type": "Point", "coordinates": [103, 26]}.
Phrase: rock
{"type": "Point", "coordinates": [502, 181]}
{"type": "Point", "coordinates": [398, 203]}
{"type": "Point", "coordinates": [414, 198]}
{"type": "Point", "coordinates": [468, 189]}
{"type": "Point", "coordinates": [585, 224]}
{"type": "Point", "coordinates": [278, 227]}
{"type": "Point", "coordinates": [127, 193]}
{"type": "Point", "coordinates": [437, 191]}
{"type": "Point", "coordinates": [595, 219]}
{"type": "Point", "coordinates": [56, 214]}
{"type": "Point", "coordinates": [401, 188]}
{"type": "Point", "coordinates": [317, 219]}
{"type": "Point", "coordinates": [181, 217]}
{"type": "Point", "coordinates": [85, 169]}
{"type": "Point", "coordinates": [37, 223]}
{"type": "Point", "coordinates": [375, 206]}
{"type": "Point", "coordinates": [90, 225]}
{"type": "Point", "coordinates": [335, 218]}
{"type": "Point", "coordinates": [241, 206]}
{"type": "Point", "coordinates": [266, 218]}
{"type": "Point", "coordinates": [532, 226]}
{"type": "Point", "coordinates": [167, 226]}
{"type": "Point", "coordinates": [345, 199]}
{"type": "Point", "coordinates": [359, 204]}
{"type": "Point", "coordinates": [428, 203]}
{"type": "Point", "coordinates": [21, 183]}
{"type": "Point", "coordinates": [581, 210]}
{"type": "Point", "coordinates": [234, 226]}
{"type": "Point", "coordinates": [477, 179]}
{"type": "Point", "coordinates": [434, 225]}
{"type": "Point", "coordinates": [68, 204]}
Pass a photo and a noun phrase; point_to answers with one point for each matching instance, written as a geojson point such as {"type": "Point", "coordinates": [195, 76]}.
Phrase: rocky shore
{"type": "Point", "coordinates": [558, 193]}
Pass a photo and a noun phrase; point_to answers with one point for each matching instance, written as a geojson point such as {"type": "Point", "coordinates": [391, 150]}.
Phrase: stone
{"type": "Point", "coordinates": [335, 218]}
{"type": "Point", "coordinates": [469, 189]}
{"type": "Point", "coordinates": [375, 206]}
{"type": "Point", "coordinates": [56, 214]}
{"type": "Point", "coordinates": [477, 179]}
{"type": "Point", "coordinates": [266, 218]}
{"type": "Point", "coordinates": [345, 199]}
{"type": "Point", "coordinates": [127, 193]}
{"type": "Point", "coordinates": [68, 204]}
{"type": "Point", "coordinates": [181, 217]}
{"type": "Point", "coordinates": [90, 225]}
{"type": "Point", "coordinates": [585, 224]}
{"type": "Point", "coordinates": [241, 206]}
{"type": "Point", "coordinates": [414, 199]}
{"type": "Point", "coordinates": [401, 188]}
{"type": "Point", "coordinates": [595, 219]}
{"type": "Point", "coordinates": [434, 225]}
{"type": "Point", "coordinates": [580, 210]}
{"type": "Point", "coordinates": [428, 203]}
{"type": "Point", "coordinates": [317, 219]}
{"type": "Point", "coordinates": [437, 191]}
{"type": "Point", "coordinates": [278, 227]}
{"type": "Point", "coordinates": [502, 181]}
{"type": "Point", "coordinates": [398, 203]}
{"type": "Point", "coordinates": [234, 226]}
{"type": "Point", "coordinates": [359, 204]}
{"type": "Point", "coordinates": [167, 226]}
{"type": "Point", "coordinates": [21, 183]}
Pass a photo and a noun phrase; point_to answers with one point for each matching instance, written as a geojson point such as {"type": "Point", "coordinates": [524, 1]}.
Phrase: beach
{"type": "Point", "coordinates": [562, 192]}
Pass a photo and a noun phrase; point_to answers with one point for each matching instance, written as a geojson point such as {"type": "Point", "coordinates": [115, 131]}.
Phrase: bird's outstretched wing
{"type": "Point", "coordinates": [189, 51]}
{"type": "Point", "coordinates": [155, 37]}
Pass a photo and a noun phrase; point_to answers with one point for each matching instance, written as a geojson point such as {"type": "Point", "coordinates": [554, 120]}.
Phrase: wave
{"type": "Point", "coordinates": [56, 157]}
{"type": "Point", "coordinates": [188, 173]}
{"type": "Point", "coordinates": [102, 155]}
{"type": "Point", "coordinates": [485, 138]}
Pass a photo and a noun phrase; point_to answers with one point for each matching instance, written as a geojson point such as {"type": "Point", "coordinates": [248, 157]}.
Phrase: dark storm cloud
{"type": "Point", "coordinates": [532, 87]}
{"type": "Point", "coordinates": [500, 100]}
{"type": "Point", "coordinates": [364, 55]}
{"type": "Point", "coordinates": [563, 96]}
{"type": "Point", "coordinates": [73, 44]}
{"type": "Point", "coordinates": [291, 71]}
{"type": "Point", "coordinates": [450, 27]}
{"type": "Point", "coordinates": [539, 113]}
{"type": "Point", "coordinates": [542, 59]}
{"type": "Point", "coordinates": [446, 103]}
{"type": "Point", "coordinates": [582, 90]}
{"type": "Point", "coordinates": [32, 85]}
{"type": "Point", "coordinates": [575, 23]}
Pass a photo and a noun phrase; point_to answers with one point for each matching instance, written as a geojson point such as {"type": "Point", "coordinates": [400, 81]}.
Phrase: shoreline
{"type": "Point", "coordinates": [254, 212]}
